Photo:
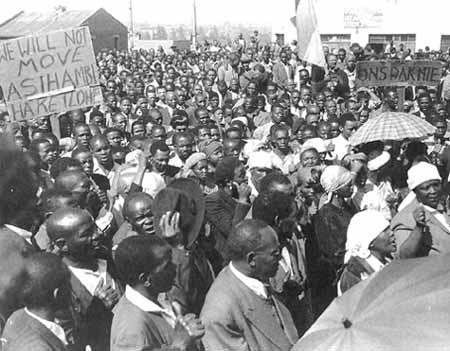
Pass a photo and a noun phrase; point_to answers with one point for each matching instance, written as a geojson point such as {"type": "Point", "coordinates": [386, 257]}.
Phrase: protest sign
{"type": "Point", "coordinates": [397, 73]}
{"type": "Point", "coordinates": [49, 73]}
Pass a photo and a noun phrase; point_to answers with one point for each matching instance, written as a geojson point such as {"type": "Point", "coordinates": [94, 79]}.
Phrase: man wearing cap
{"type": "Point", "coordinates": [422, 228]}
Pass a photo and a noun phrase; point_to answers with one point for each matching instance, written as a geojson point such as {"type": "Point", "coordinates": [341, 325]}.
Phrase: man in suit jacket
{"type": "Point", "coordinates": [240, 311]}
{"type": "Point", "coordinates": [421, 228]}
{"type": "Point", "coordinates": [93, 290]}
{"type": "Point", "coordinates": [34, 327]}
{"type": "Point", "coordinates": [282, 71]}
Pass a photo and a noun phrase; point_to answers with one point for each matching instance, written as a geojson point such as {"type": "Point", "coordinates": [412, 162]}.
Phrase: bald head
{"type": "Point", "coordinates": [70, 180]}
{"type": "Point", "coordinates": [66, 222]}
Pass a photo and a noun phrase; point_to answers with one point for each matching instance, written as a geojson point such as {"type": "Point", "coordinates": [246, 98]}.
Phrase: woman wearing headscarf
{"type": "Point", "coordinates": [369, 247]}
{"type": "Point", "coordinates": [330, 226]}
{"type": "Point", "coordinates": [196, 167]}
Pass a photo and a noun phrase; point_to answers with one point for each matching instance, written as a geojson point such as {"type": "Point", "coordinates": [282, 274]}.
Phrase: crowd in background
{"type": "Point", "coordinates": [213, 201]}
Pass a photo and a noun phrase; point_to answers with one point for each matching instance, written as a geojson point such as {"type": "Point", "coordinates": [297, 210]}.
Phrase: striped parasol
{"type": "Point", "coordinates": [392, 126]}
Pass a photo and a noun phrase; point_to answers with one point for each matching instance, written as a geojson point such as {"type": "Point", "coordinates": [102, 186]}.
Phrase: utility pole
{"type": "Point", "coordinates": [194, 26]}
{"type": "Point", "coordinates": [131, 30]}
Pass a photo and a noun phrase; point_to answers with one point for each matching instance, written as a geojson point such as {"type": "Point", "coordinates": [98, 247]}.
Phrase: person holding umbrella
{"type": "Point", "coordinates": [369, 247]}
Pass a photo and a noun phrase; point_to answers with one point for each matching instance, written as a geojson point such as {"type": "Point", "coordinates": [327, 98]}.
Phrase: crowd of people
{"type": "Point", "coordinates": [214, 201]}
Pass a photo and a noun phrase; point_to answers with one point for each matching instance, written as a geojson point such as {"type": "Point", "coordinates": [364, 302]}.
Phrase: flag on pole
{"type": "Point", "coordinates": [308, 36]}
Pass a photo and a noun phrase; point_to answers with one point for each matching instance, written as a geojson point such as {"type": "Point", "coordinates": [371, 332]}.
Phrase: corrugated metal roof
{"type": "Point", "coordinates": [27, 23]}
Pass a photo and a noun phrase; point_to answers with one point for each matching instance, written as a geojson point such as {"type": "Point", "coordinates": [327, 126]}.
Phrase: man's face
{"type": "Point", "coordinates": [141, 217]}
{"type": "Point", "coordinates": [281, 140]}
{"type": "Point", "coordinates": [441, 129]}
{"type": "Point", "coordinates": [120, 122]}
{"type": "Point", "coordinates": [304, 76]}
{"type": "Point", "coordinates": [295, 98]}
{"type": "Point", "coordinates": [200, 101]}
{"type": "Point", "coordinates": [125, 106]}
{"type": "Point", "coordinates": [138, 129]}
{"type": "Point", "coordinates": [203, 116]}
{"type": "Point", "coordinates": [277, 115]}
{"type": "Point", "coordinates": [392, 100]}
{"type": "Point", "coordinates": [330, 107]}
{"type": "Point", "coordinates": [102, 151]}
{"type": "Point", "coordinates": [160, 160]}
{"type": "Point", "coordinates": [111, 101]}
{"type": "Point", "coordinates": [305, 95]}
{"type": "Point", "coordinates": [81, 245]}
{"type": "Point", "coordinates": [83, 135]}
{"type": "Point", "coordinates": [111, 86]}
{"type": "Point", "coordinates": [334, 129]}
{"type": "Point", "coordinates": [151, 97]}
{"type": "Point", "coordinates": [349, 128]}
{"type": "Point", "coordinates": [171, 99]}
{"type": "Point", "coordinates": [341, 55]}
{"type": "Point", "coordinates": [215, 134]}
{"type": "Point", "coordinates": [87, 162]}
{"type": "Point", "coordinates": [161, 94]}
{"type": "Point", "coordinates": [267, 256]}
{"type": "Point", "coordinates": [184, 147]}
{"type": "Point", "coordinates": [47, 153]}
{"type": "Point", "coordinates": [44, 123]}
{"type": "Point", "coordinates": [234, 85]}
{"type": "Point", "coordinates": [159, 134]}
{"type": "Point", "coordinates": [114, 138]}
{"type": "Point", "coordinates": [312, 118]}
{"type": "Point", "coordinates": [429, 193]}
{"type": "Point", "coordinates": [332, 61]}
{"type": "Point", "coordinates": [424, 103]}
{"type": "Point", "coordinates": [284, 57]}
{"type": "Point", "coordinates": [204, 134]}
{"type": "Point", "coordinates": [232, 148]}
{"type": "Point", "coordinates": [324, 131]}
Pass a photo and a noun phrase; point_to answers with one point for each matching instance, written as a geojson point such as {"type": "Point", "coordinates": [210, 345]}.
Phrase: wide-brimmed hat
{"type": "Point", "coordinates": [185, 196]}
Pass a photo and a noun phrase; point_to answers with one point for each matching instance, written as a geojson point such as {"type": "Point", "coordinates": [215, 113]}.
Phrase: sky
{"type": "Point", "coordinates": [164, 11]}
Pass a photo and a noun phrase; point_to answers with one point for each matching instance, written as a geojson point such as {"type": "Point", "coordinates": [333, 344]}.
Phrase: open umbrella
{"type": "Point", "coordinates": [392, 126]}
{"type": "Point", "coordinates": [405, 306]}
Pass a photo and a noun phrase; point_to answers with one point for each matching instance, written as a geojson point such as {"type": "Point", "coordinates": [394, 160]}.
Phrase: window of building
{"type": "Point", "coordinates": [445, 42]}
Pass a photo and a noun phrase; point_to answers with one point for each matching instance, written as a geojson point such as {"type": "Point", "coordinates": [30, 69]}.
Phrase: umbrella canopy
{"type": "Point", "coordinates": [392, 126]}
{"type": "Point", "coordinates": [405, 306]}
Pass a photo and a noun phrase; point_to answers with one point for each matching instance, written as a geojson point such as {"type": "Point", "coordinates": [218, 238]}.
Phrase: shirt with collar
{"type": "Point", "coordinates": [56, 329]}
{"type": "Point", "coordinates": [442, 218]}
{"type": "Point", "coordinates": [89, 278]}
{"type": "Point", "coordinates": [146, 305]}
{"type": "Point", "coordinates": [342, 146]}
{"type": "Point", "coordinates": [21, 232]}
{"type": "Point", "coordinates": [253, 284]}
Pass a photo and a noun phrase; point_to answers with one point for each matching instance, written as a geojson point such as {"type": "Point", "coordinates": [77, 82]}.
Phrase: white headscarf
{"type": "Point", "coordinates": [364, 227]}
{"type": "Point", "coordinates": [334, 178]}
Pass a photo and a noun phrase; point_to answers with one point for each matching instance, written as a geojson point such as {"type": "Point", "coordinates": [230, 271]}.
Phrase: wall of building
{"type": "Point", "coordinates": [426, 20]}
{"type": "Point", "coordinates": [107, 32]}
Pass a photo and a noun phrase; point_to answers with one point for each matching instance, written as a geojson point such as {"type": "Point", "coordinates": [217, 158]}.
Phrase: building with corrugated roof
{"type": "Point", "coordinates": [106, 31]}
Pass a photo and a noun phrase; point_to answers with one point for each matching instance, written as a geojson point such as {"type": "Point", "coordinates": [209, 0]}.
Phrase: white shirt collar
{"type": "Point", "coordinates": [56, 329]}
{"type": "Point", "coordinates": [21, 232]}
{"type": "Point", "coordinates": [89, 278]}
{"type": "Point", "coordinates": [439, 216]}
{"type": "Point", "coordinates": [253, 284]}
{"type": "Point", "coordinates": [147, 305]}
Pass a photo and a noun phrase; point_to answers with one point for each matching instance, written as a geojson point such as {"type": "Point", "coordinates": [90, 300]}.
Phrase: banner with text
{"type": "Point", "coordinates": [397, 73]}
{"type": "Point", "coordinates": [49, 73]}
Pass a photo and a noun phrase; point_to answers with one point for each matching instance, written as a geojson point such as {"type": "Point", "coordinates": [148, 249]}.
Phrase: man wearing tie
{"type": "Point", "coordinates": [241, 312]}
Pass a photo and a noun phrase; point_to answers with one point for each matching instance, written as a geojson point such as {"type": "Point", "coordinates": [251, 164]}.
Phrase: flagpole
{"type": "Point", "coordinates": [131, 25]}
{"type": "Point", "coordinates": [194, 26]}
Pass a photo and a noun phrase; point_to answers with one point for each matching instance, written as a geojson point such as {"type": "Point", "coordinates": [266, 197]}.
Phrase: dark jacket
{"type": "Point", "coordinates": [223, 212]}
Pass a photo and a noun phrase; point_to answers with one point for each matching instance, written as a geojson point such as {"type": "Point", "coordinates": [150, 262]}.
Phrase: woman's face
{"type": "Point", "coordinates": [384, 243]}
{"type": "Point", "coordinates": [201, 170]}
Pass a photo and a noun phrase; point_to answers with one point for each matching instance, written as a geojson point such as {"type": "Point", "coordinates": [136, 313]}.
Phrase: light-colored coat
{"type": "Point", "coordinates": [236, 319]}
{"type": "Point", "coordinates": [436, 239]}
